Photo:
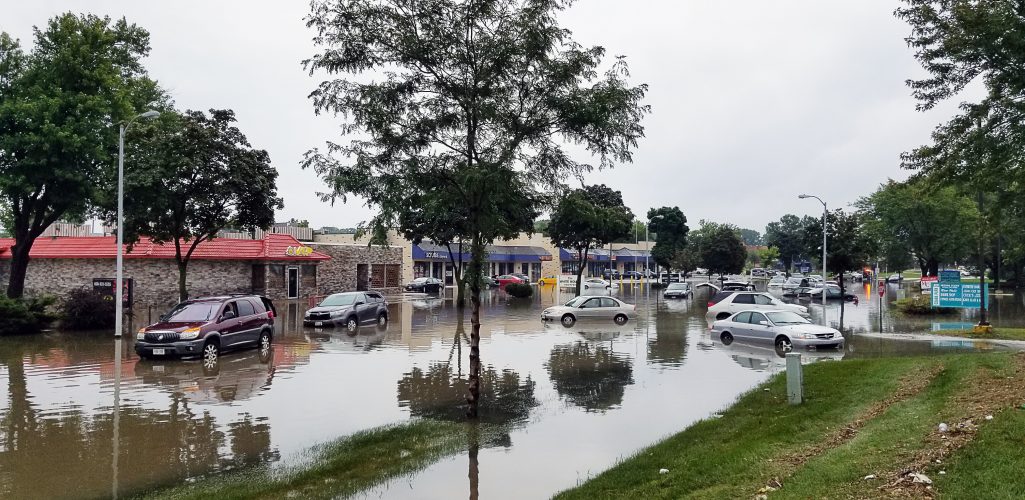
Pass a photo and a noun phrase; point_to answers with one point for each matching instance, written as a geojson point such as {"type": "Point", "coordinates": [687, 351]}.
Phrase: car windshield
{"type": "Point", "coordinates": [576, 302]}
{"type": "Point", "coordinates": [338, 300]}
{"type": "Point", "coordinates": [677, 286]}
{"type": "Point", "coordinates": [786, 318]}
{"type": "Point", "coordinates": [196, 311]}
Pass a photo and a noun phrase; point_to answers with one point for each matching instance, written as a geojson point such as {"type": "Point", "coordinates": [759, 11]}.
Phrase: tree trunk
{"type": "Point", "coordinates": [934, 267]}
{"type": "Point", "coordinates": [581, 264]}
{"type": "Point", "coordinates": [183, 292]}
{"type": "Point", "coordinates": [19, 268]}
{"type": "Point", "coordinates": [457, 276]}
{"type": "Point", "coordinates": [476, 268]}
{"type": "Point", "coordinates": [472, 452]}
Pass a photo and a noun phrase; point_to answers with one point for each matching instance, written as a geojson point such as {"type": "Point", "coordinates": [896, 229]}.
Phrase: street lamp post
{"type": "Point", "coordinates": [824, 273]}
{"type": "Point", "coordinates": [119, 291]}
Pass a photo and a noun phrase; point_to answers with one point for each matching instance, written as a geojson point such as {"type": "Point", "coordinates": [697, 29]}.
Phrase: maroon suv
{"type": "Point", "coordinates": [206, 326]}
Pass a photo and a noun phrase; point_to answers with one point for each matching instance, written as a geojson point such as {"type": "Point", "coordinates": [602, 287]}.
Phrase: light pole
{"type": "Point", "coordinates": [824, 273]}
{"type": "Point", "coordinates": [119, 297]}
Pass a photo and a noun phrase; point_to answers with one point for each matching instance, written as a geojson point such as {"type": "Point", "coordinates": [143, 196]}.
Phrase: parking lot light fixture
{"type": "Point", "coordinates": [119, 287]}
{"type": "Point", "coordinates": [824, 231]}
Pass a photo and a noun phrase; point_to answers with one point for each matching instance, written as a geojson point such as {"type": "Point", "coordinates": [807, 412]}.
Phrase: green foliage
{"type": "Point", "coordinates": [686, 259]}
{"type": "Point", "coordinates": [519, 290]}
{"type": "Point", "coordinates": [192, 175]}
{"type": "Point", "coordinates": [541, 227]}
{"type": "Point", "coordinates": [920, 305]}
{"type": "Point", "coordinates": [588, 218]}
{"type": "Point", "coordinates": [85, 309]}
{"type": "Point", "coordinates": [787, 236]}
{"type": "Point", "coordinates": [720, 248]}
{"type": "Point", "coordinates": [671, 226]}
{"type": "Point", "coordinates": [849, 246]}
{"type": "Point", "coordinates": [913, 218]}
{"type": "Point", "coordinates": [59, 109]}
{"type": "Point", "coordinates": [751, 237]}
{"type": "Point", "coordinates": [23, 316]}
{"type": "Point", "coordinates": [768, 257]}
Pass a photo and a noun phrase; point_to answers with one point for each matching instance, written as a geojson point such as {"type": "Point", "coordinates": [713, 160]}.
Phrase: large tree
{"type": "Point", "coordinates": [848, 246]}
{"type": "Point", "coordinates": [670, 225]}
{"type": "Point", "coordinates": [720, 248]}
{"type": "Point", "coordinates": [60, 106]}
{"type": "Point", "coordinates": [587, 218]}
{"type": "Point", "coordinates": [927, 222]}
{"type": "Point", "coordinates": [192, 175]}
{"type": "Point", "coordinates": [786, 235]}
{"type": "Point", "coordinates": [751, 237]}
{"type": "Point", "coordinates": [482, 94]}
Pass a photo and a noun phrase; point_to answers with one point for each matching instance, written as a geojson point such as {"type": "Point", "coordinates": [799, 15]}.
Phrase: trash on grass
{"type": "Point", "coordinates": [663, 471]}
{"type": "Point", "coordinates": [870, 477]}
{"type": "Point", "coordinates": [920, 478]}
{"type": "Point", "coordinates": [944, 427]}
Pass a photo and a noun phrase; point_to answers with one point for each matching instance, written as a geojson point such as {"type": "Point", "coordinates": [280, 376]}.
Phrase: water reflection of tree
{"type": "Point", "coordinates": [53, 454]}
{"type": "Point", "coordinates": [668, 345]}
{"type": "Point", "coordinates": [590, 376]}
{"type": "Point", "coordinates": [439, 393]}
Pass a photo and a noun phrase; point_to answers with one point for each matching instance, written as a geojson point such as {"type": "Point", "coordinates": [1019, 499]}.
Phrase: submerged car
{"type": "Point", "coordinates": [724, 304]}
{"type": "Point", "coordinates": [590, 307]}
{"type": "Point", "coordinates": [208, 326]}
{"type": "Point", "coordinates": [832, 292]}
{"type": "Point", "coordinates": [786, 330]}
{"type": "Point", "coordinates": [425, 284]}
{"type": "Point", "coordinates": [678, 291]}
{"type": "Point", "coordinates": [350, 309]}
{"type": "Point", "coordinates": [505, 279]}
{"type": "Point", "coordinates": [596, 283]}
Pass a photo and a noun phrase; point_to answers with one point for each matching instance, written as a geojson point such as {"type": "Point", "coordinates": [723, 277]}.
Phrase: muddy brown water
{"type": "Point", "coordinates": [79, 421]}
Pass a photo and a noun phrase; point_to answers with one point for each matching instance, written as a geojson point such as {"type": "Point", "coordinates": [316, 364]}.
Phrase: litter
{"type": "Point", "coordinates": [663, 471]}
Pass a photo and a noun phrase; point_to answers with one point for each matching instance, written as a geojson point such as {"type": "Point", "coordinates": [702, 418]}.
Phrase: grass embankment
{"type": "Point", "coordinates": [338, 469]}
{"type": "Point", "coordinates": [995, 334]}
{"type": "Point", "coordinates": [861, 417]}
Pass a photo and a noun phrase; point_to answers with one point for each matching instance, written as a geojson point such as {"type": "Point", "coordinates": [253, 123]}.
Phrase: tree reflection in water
{"type": "Point", "coordinates": [668, 346]}
{"type": "Point", "coordinates": [52, 455]}
{"type": "Point", "coordinates": [590, 376]}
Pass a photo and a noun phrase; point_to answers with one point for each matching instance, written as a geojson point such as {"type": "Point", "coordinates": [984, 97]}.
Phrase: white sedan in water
{"type": "Point", "coordinates": [786, 330]}
{"type": "Point", "coordinates": [590, 307]}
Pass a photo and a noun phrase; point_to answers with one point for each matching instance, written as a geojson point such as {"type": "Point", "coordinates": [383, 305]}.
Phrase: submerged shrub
{"type": "Point", "coordinates": [921, 305]}
{"type": "Point", "coordinates": [85, 309]}
{"type": "Point", "coordinates": [21, 316]}
{"type": "Point", "coordinates": [520, 290]}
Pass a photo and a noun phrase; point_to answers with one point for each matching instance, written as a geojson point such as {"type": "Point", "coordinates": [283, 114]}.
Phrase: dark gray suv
{"type": "Point", "coordinates": [350, 309]}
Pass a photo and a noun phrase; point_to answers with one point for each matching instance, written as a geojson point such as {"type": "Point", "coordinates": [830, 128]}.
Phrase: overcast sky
{"type": "Point", "coordinates": [753, 102]}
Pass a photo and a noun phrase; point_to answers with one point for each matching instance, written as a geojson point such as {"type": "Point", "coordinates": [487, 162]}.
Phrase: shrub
{"type": "Point", "coordinates": [921, 305]}
{"type": "Point", "coordinates": [25, 315]}
{"type": "Point", "coordinates": [520, 290]}
{"type": "Point", "coordinates": [85, 309]}
{"type": "Point", "coordinates": [658, 285]}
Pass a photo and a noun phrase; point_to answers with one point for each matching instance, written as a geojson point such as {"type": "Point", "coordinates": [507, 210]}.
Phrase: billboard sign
{"type": "Point", "coordinates": [950, 276]}
{"type": "Point", "coordinates": [959, 295]}
{"type": "Point", "coordinates": [107, 287]}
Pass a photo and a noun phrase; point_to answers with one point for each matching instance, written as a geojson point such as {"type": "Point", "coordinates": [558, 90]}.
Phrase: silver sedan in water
{"type": "Point", "coordinates": [590, 307]}
{"type": "Point", "coordinates": [785, 329]}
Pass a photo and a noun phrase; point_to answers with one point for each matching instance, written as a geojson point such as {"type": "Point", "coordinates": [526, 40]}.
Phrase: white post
{"type": "Point", "coordinates": [118, 299]}
{"type": "Point", "coordinates": [825, 275]}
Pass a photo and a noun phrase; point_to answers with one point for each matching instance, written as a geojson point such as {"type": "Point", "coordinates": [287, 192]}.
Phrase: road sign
{"type": "Point", "coordinates": [960, 295]}
{"type": "Point", "coordinates": [950, 276]}
{"type": "Point", "coordinates": [927, 282]}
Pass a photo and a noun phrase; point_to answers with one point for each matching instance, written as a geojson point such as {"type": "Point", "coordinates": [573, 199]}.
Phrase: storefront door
{"type": "Point", "coordinates": [293, 282]}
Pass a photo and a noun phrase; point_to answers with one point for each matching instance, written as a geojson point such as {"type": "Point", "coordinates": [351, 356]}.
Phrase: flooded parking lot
{"type": "Point", "coordinates": [571, 401]}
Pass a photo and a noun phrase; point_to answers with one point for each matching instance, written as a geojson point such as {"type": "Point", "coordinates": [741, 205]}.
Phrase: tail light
{"type": "Point", "coordinates": [711, 303]}
{"type": "Point", "coordinates": [270, 314]}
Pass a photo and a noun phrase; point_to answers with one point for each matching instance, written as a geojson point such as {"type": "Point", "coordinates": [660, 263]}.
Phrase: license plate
{"type": "Point", "coordinates": [318, 323]}
{"type": "Point", "coordinates": [159, 352]}
{"type": "Point", "coordinates": [158, 368]}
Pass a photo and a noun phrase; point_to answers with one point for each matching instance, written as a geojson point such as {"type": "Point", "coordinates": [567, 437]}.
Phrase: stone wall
{"type": "Point", "coordinates": [339, 273]}
{"type": "Point", "coordinates": [156, 281]}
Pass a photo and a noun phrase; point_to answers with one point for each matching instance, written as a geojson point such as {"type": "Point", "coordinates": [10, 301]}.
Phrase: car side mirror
{"type": "Point", "coordinates": [358, 304]}
{"type": "Point", "coordinates": [763, 323]}
{"type": "Point", "coordinates": [228, 315]}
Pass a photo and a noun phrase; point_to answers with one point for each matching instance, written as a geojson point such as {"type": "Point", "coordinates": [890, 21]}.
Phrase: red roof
{"type": "Point", "coordinates": [272, 247]}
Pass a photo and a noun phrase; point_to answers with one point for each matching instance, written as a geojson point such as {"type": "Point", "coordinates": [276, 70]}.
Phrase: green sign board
{"type": "Point", "coordinates": [950, 276]}
{"type": "Point", "coordinates": [961, 295]}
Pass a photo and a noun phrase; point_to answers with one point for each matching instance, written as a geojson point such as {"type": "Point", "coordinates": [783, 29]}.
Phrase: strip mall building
{"type": "Point", "coordinates": [533, 255]}
{"type": "Point", "coordinates": [278, 266]}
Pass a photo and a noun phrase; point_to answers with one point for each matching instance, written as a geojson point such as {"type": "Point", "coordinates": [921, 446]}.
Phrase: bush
{"type": "Point", "coordinates": [658, 285]}
{"type": "Point", "coordinates": [520, 290]}
{"type": "Point", "coordinates": [87, 310]}
{"type": "Point", "coordinates": [920, 305]}
{"type": "Point", "coordinates": [21, 316]}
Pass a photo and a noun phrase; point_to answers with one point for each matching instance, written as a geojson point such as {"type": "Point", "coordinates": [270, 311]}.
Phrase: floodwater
{"type": "Point", "coordinates": [83, 417]}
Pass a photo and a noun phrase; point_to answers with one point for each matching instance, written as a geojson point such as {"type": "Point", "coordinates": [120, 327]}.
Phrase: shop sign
{"type": "Point", "coordinates": [545, 258]}
{"type": "Point", "coordinates": [107, 288]}
{"type": "Point", "coordinates": [950, 276]}
{"type": "Point", "coordinates": [962, 295]}
{"type": "Point", "coordinates": [436, 255]}
{"type": "Point", "coordinates": [298, 251]}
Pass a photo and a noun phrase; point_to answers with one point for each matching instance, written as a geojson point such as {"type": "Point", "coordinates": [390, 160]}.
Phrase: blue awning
{"type": "Point", "coordinates": [496, 253]}
{"type": "Point", "coordinates": [602, 255]}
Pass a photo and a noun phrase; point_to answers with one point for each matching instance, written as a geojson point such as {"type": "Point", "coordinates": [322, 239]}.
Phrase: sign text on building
{"type": "Point", "coordinates": [300, 251]}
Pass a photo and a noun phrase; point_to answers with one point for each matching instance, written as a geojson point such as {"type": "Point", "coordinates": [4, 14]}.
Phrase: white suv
{"type": "Point", "coordinates": [726, 304]}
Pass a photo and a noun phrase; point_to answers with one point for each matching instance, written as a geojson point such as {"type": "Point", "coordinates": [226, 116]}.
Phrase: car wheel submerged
{"type": "Point", "coordinates": [620, 319]}
{"type": "Point", "coordinates": [783, 344]}
{"type": "Point", "coordinates": [211, 353]}
{"type": "Point", "coordinates": [382, 320]}
{"type": "Point", "coordinates": [726, 338]}
{"type": "Point", "coordinates": [264, 342]}
{"type": "Point", "coordinates": [568, 320]}
{"type": "Point", "coordinates": [351, 324]}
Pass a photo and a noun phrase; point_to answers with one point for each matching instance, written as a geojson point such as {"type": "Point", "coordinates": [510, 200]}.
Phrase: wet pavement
{"type": "Point", "coordinates": [570, 401]}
